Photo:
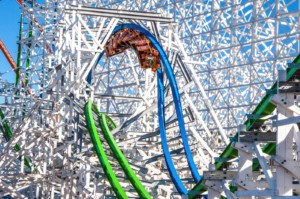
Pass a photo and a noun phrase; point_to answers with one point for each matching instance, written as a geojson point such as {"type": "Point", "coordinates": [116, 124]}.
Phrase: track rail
{"type": "Point", "coordinates": [107, 168]}
{"type": "Point", "coordinates": [8, 56]}
{"type": "Point", "coordinates": [265, 107]}
{"type": "Point", "coordinates": [161, 114]}
{"type": "Point", "coordinates": [4, 127]}
{"type": "Point", "coordinates": [105, 122]}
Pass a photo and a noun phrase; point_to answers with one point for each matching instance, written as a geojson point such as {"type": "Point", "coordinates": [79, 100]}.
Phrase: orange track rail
{"type": "Point", "coordinates": [8, 56]}
{"type": "Point", "coordinates": [11, 62]}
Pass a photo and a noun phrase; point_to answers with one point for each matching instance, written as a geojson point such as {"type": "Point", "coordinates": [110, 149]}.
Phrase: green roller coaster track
{"type": "Point", "coordinates": [4, 127]}
{"type": "Point", "coordinates": [107, 168]}
{"type": "Point", "coordinates": [265, 107]}
{"type": "Point", "coordinates": [105, 122]}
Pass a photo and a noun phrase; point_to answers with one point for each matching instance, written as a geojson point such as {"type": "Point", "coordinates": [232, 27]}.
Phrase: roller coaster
{"type": "Point", "coordinates": [129, 99]}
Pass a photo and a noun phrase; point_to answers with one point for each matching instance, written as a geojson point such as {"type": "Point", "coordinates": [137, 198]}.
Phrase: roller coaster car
{"type": "Point", "coordinates": [127, 38]}
{"type": "Point", "coordinates": [150, 61]}
{"type": "Point", "coordinates": [140, 41]}
{"type": "Point", "coordinates": [110, 50]}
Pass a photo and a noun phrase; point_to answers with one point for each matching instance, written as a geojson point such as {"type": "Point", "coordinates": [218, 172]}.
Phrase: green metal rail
{"type": "Point", "coordinates": [8, 135]}
{"type": "Point", "coordinates": [105, 124]}
{"type": "Point", "coordinates": [19, 51]}
{"type": "Point", "coordinates": [140, 189]}
{"type": "Point", "coordinates": [5, 130]}
{"type": "Point", "coordinates": [265, 107]}
{"type": "Point", "coordinates": [108, 171]}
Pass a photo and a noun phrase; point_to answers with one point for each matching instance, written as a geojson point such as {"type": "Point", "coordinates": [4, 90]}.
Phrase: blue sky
{"type": "Point", "coordinates": [9, 30]}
